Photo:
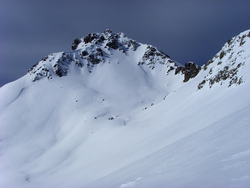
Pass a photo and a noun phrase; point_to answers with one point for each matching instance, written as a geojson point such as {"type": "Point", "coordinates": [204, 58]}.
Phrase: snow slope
{"type": "Point", "coordinates": [116, 113]}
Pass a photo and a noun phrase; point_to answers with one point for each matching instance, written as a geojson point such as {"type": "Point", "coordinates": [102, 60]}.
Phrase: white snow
{"type": "Point", "coordinates": [124, 125]}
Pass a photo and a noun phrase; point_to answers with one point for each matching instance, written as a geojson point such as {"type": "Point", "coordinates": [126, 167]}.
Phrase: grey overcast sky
{"type": "Point", "coordinates": [186, 30]}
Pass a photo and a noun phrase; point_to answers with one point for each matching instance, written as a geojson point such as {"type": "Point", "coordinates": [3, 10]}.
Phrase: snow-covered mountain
{"type": "Point", "coordinates": [117, 113]}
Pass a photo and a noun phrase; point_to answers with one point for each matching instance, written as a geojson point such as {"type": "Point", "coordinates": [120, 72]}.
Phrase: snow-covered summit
{"type": "Point", "coordinates": [100, 48]}
{"type": "Point", "coordinates": [230, 65]}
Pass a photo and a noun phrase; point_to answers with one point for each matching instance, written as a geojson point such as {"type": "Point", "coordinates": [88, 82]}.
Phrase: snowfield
{"type": "Point", "coordinates": [116, 113]}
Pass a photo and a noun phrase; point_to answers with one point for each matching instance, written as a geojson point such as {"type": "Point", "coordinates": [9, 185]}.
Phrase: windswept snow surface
{"type": "Point", "coordinates": [120, 124]}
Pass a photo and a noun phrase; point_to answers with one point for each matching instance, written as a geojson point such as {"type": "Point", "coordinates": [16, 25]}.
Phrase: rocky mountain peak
{"type": "Point", "coordinates": [96, 48]}
{"type": "Point", "coordinates": [110, 39]}
{"type": "Point", "coordinates": [227, 66]}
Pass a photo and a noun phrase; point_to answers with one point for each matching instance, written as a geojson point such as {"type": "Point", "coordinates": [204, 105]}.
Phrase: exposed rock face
{"type": "Point", "coordinates": [40, 70]}
{"type": "Point", "coordinates": [62, 64]}
{"type": "Point", "coordinates": [110, 40]}
{"type": "Point", "coordinates": [75, 43]}
{"type": "Point", "coordinates": [190, 70]}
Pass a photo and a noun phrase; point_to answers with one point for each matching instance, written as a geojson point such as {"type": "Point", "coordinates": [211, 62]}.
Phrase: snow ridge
{"type": "Point", "coordinates": [227, 66]}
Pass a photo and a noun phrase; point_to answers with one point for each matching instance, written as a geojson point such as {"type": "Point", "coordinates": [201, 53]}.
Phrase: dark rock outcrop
{"type": "Point", "coordinates": [75, 44]}
{"type": "Point", "coordinates": [190, 71]}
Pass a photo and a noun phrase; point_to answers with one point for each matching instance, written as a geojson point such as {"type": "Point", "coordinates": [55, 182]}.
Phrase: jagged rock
{"type": "Point", "coordinates": [84, 53]}
{"type": "Point", "coordinates": [62, 64]}
{"type": "Point", "coordinates": [39, 70]}
{"type": "Point", "coordinates": [190, 71]}
{"type": "Point", "coordinates": [92, 58]}
{"type": "Point", "coordinates": [90, 37]}
{"type": "Point", "coordinates": [44, 72]}
{"type": "Point", "coordinates": [153, 55]}
{"type": "Point", "coordinates": [179, 70]}
{"type": "Point", "coordinates": [225, 66]}
{"type": "Point", "coordinates": [208, 63]}
{"type": "Point", "coordinates": [75, 44]}
{"type": "Point", "coordinates": [222, 54]}
{"type": "Point", "coordinates": [201, 84]}
{"type": "Point", "coordinates": [227, 73]}
{"type": "Point", "coordinates": [170, 69]}
{"type": "Point", "coordinates": [113, 44]}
